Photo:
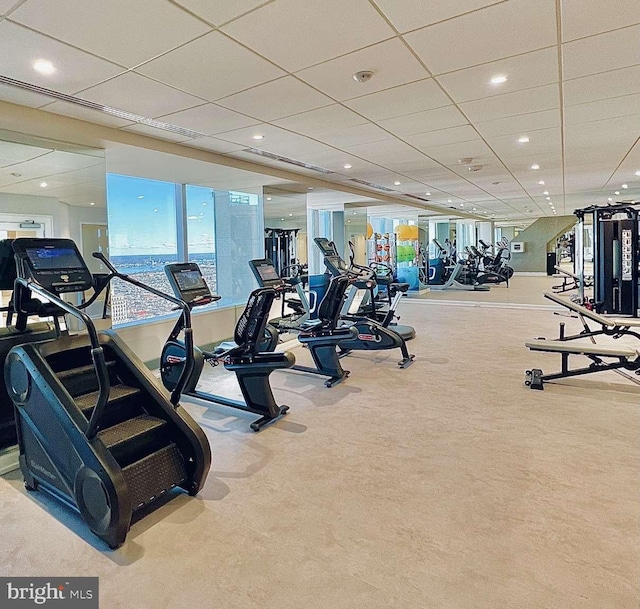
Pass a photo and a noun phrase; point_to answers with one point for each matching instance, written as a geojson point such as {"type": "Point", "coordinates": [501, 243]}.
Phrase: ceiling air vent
{"type": "Point", "coordinates": [284, 159]}
{"type": "Point", "coordinates": [123, 114]}
{"type": "Point", "coordinates": [417, 197]}
{"type": "Point", "coordinates": [372, 185]}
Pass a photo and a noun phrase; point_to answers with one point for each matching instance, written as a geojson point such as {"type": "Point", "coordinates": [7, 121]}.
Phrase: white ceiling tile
{"type": "Point", "coordinates": [75, 70]}
{"type": "Point", "coordinates": [421, 122]}
{"type": "Point", "coordinates": [613, 107]}
{"type": "Point", "coordinates": [139, 95]}
{"type": "Point", "coordinates": [406, 99]}
{"type": "Point", "coordinates": [157, 133]}
{"type": "Point", "coordinates": [119, 30]}
{"type": "Point", "coordinates": [276, 99]}
{"type": "Point", "coordinates": [523, 72]}
{"type": "Point", "coordinates": [540, 142]}
{"type": "Point", "coordinates": [7, 5]}
{"type": "Point", "coordinates": [625, 81]}
{"type": "Point", "coordinates": [546, 97]}
{"type": "Point", "coordinates": [601, 53]}
{"type": "Point", "coordinates": [412, 14]}
{"type": "Point", "coordinates": [213, 144]}
{"type": "Point", "coordinates": [388, 153]}
{"type": "Point", "coordinates": [276, 140]}
{"type": "Point", "coordinates": [211, 67]}
{"type": "Point", "coordinates": [12, 153]}
{"type": "Point", "coordinates": [391, 62]}
{"type": "Point", "coordinates": [501, 30]}
{"type": "Point", "coordinates": [85, 114]}
{"type": "Point", "coordinates": [582, 18]}
{"type": "Point", "coordinates": [209, 119]}
{"type": "Point", "coordinates": [297, 34]}
{"type": "Point", "coordinates": [322, 120]}
{"type": "Point", "coordinates": [449, 154]}
{"type": "Point", "coordinates": [521, 124]}
{"type": "Point", "coordinates": [220, 11]}
{"type": "Point", "coordinates": [352, 136]}
{"type": "Point", "coordinates": [23, 97]}
{"type": "Point", "coordinates": [442, 137]}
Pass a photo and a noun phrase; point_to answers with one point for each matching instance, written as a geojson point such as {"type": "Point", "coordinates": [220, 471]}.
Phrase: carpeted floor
{"type": "Point", "coordinates": [448, 485]}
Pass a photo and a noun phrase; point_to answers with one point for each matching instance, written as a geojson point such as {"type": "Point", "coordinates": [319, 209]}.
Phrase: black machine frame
{"type": "Point", "coordinates": [616, 257]}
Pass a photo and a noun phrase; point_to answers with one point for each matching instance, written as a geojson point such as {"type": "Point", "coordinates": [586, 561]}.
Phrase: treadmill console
{"type": "Point", "coordinates": [265, 273]}
{"type": "Point", "coordinates": [54, 264]}
{"type": "Point", "coordinates": [188, 284]}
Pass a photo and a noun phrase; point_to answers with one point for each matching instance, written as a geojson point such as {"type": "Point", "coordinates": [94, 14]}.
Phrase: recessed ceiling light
{"type": "Point", "coordinates": [355, 213]}
{"type": "Point", "coordinates": [92, 203]}
{"type": "Point", "coordinates": [204, 205]}
{"type": "Point", "coordinates": [617, 192]}
{"type": "Point", "coordinates": [44, 66]}
{"type": "Point", "coordinates": [155, 211]}
{"type": "Point", "coordinates": [282, 219]}
{"type": "Point", "coordinates": [428, 194]}
{"type": "Point", "coordinates": [498, 79]}
{"type": "Point", "coordinates": [638, 172]}
{"type": "Point", "coordinates": [268, 198]}
{"type": "Point", "coordinates": [550, 203]}
{"type": "Point", "coordinates": [310, 188]}
{"type": "Point", "coordinates": [43, 184]}
{"type": "Point", "coordinates": [609, 199]}
{"type": "Point", "coordinates": [461, 204]}
{"type": "Point", "coordinates": [449, 201]}
{"type": "Point", "coordinates": [257, 137]}
{"type": "Point", "coordinates": [290, 215]}
{"type": "Point", "coordinates": [396, 183]}
{"type": "Point", "coordinates": [548, 198]}
{"type": "Point", "coordinates": [541, 182]}
{"type": "Point", "coordinates": [535, 166]}
{"type": "Point", "coordinates": [140, 196]}
{"type": "Point", "coordinates": [348, 221]}
{"type": "Point", "coordinates": [474, 209]}
{"type": "Point", "coordinates": [524, 139]}
{"type": "Point", "coordinates": [625, 186]}
{"type": "Point", "coordinates": [546, 192]}
{"type": "Point", "coordinates": [347, 166]}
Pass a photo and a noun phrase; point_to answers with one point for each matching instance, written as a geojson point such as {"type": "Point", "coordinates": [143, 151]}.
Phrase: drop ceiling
{"type": "Point", "coordinates": [234, 69]}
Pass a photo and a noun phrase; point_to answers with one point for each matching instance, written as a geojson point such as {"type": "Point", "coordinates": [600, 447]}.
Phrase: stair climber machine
{"type": "Point", "coordinates": [364, 299]}
{"type": "Point", "coordinates": [251, 356]}
{"type": "Point", "coordinates": [371, 335]}
{"type": "Point", "coordinates": [94, 429]}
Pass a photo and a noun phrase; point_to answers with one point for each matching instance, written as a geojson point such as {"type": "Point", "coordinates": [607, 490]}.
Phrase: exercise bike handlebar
{"type": "Point", "coordinates": [97, 353]}
{"type": "Point", "coordinates": [186, 313]}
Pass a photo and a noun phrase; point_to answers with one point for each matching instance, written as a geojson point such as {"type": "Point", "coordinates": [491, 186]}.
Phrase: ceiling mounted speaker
{"type": "Point", "coordinates": [466, 161]}
{"type": "Point", "coordinates": [475, 167]}
{"type": "Point", "coordinates": [363, 76]}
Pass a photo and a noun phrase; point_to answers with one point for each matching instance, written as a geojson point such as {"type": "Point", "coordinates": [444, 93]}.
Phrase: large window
{"type": "Point", "coordinates": [142, 239]}
{"type": "Point", "coordinates": [201, 240]}
{"type": "Point", "coordinates": [153, 223]}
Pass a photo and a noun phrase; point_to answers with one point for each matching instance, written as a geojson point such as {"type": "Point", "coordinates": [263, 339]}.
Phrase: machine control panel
{"type": "Point", "coordinates": [265, 273]}
{"type": "Point", "coordinates": [188, 283]}
{"type": "Point", "coordinates": [54, 264]}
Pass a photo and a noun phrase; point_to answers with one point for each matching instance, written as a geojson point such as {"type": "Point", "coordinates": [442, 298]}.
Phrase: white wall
{"type": "Point", "coordinates": [79, 215]}
{"type": "Point", "coordinates": [28, 205]}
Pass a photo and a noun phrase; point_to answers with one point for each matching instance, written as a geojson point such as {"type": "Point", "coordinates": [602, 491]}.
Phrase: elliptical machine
{"type": "Point", "coordinates": [250, 356]}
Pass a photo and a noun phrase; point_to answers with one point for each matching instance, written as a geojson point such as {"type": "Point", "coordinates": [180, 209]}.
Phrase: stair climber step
{"type": "Point", "coordinates": [87, 401]}
{"type": "Point", "coordinates": [134, 438]}
{"type": "Point", "coordinates": [155, 474]}
{"type": "Point", "coordinates": [83, 379]}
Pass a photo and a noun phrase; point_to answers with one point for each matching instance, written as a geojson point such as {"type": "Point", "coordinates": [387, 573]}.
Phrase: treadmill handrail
{"type": "Point", "coordinates": [97, 353]}
{"type": "Point", "coordinates": [186, 314]}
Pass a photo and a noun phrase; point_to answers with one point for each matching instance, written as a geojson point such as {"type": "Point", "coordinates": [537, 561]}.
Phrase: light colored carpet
{"type": "Point", "coordinates": [448, 485]}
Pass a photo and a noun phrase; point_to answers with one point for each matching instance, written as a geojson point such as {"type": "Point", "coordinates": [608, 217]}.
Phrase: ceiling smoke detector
{"type": "Point", "coordinates": [474, 167]}
{"type": "Point", "coordinates": [363, 76]}
{"type": "Point", "coordinates": [466, 161]}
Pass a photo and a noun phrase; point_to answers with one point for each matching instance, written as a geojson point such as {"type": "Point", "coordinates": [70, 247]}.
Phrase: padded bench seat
{"type": "Point", "coordinates": [561, 346]}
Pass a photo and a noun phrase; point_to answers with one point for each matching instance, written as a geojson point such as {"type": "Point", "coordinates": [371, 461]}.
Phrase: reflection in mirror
{"type": "Point", "coordinates": [285, 226]}
{"type": "Point", "coordinates": [53, 189]}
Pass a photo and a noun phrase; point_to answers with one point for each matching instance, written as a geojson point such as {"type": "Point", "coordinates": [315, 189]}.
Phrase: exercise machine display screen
{"type": "Point", "coordinates": [326, 247]}
{"type": "Point", "coordinates": [46, 259]}
{"type": "Point", "coordinates": [188, 284]}
{"type": "Point", "coordinates": [190, 280]}
{"type": "Point", "coordinates": [55, 264]}
{"type": "Point", "coordinates": [265, 273]}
